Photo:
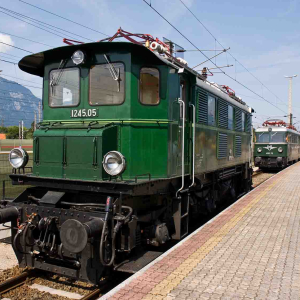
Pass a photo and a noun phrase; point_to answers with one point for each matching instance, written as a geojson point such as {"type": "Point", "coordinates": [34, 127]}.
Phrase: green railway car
{"type": "Point", "coordinates": [276, 145]}
{"type": "Point", "coordinates": [134, 144]}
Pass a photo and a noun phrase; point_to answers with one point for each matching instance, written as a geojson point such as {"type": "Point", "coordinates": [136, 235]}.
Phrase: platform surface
{"type": "Point", "coordinates": [249, 251]}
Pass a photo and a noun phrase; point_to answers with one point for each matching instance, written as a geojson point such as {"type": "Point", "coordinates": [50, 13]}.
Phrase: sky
{"type": "Point", "coordinates": [263, 36]}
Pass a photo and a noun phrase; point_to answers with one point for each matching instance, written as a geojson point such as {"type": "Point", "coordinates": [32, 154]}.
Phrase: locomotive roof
{"type": "Point", "coordinates": [34, 63]}
{"type": "Point", "coordinates": [275, 128]}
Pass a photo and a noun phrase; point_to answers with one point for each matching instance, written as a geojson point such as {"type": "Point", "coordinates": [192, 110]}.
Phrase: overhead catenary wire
{"type": "Point", "coordinates": [32, 24]}
{"type": "Point", "coordinates": [12, 91]}
{"type": "Point", "coordinates": [210, 59]}
{"type": "Point", "coordinates": [19, 37]}
{"type": "Point", "coordinates": [49, 12]}
{"type": "Point", "coordinates": [10, 62]}
{"type": "Point", "coordinates": [36, 87]}
{"type": "Point", "coordinates": [229, 52]}
{"type": "Point", "coordinates": [2, 74]}
{"type": "Point", "coordinates": [40, 23]}
{"type": "Point", "coordinates": [8, 54]}
{"type": "Point", "coordinates": [16, 47]}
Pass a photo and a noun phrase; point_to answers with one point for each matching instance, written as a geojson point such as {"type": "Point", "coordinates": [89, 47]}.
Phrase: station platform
{"type": "Point", "coordinates": [249, 251]}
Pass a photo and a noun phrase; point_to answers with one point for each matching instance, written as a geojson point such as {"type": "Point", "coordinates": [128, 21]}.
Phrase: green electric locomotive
{"type": "Point", "coordinates": [277, 145]}
{"type": "Point", "coordinates": [132, 146]}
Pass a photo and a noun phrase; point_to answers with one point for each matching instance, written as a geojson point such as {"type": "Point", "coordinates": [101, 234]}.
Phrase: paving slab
{"type": "Point", "coordinates": [249, 251]}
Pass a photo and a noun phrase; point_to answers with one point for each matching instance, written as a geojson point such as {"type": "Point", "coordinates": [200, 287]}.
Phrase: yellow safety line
{"type": "Point", "coordinates": [162, 289]}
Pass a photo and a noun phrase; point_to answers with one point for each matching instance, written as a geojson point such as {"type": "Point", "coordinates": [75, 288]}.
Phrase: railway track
{"type": "Point", "coordinates": [28, 276]}
{"type": "Point", "coordinates": [259, 177]}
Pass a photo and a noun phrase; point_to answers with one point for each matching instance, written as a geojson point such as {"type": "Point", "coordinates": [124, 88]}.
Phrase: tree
{"type": "Point", "coordinates": [12, 132]}
{"type": "Point", "coordinates": [29, 133]}
{"type": "Point", "coordinates": [3, 129]}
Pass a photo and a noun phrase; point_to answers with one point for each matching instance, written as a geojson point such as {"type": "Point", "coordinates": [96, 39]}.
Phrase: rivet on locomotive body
{"type": "Point", "coordinates": [65, 213]}
{"type": "Point", "coordinates": [78, 215]}
{"type": "Point", "coordinates": [72, 214]}
{"type": "Point", "coordinates": [48, 210]}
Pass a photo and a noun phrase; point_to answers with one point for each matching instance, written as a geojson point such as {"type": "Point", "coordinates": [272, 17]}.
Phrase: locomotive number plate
{"type": "Point", "coordinates": [84, 113]}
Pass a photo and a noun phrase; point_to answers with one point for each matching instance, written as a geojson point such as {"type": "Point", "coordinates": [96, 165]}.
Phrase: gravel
{"type": "Point", "coordinates": [53, 281]}
{"type": "Point", "coordinates": [261, 177]}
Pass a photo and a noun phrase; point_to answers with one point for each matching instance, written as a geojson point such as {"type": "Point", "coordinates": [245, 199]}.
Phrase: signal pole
{"type": "Point", "coordinates": [290, 98]}
{"type": "Point", "coordinates": [22, 130]}
{"type": "Point", "coordinates": [19, 130]}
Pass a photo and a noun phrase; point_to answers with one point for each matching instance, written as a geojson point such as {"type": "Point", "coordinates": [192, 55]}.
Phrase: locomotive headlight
{"type": "Point", "coordinates": [259, 149]}
{"type": "Point", "coordinates": [280, 149]}
{"type": "Point", "coordinates": [114, 163]}
{"type": "Point", "coordinates": [78, 57]}
{"type": "Point", "coordinates": [18, 158]}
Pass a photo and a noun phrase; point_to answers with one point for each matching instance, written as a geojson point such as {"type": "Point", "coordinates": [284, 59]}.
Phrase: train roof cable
{"type": "Point", "coordinates": [16, 47]}
{"type": "Point", "coordinates": [41, 23]}
{"type": "Point", "coordinates": [228, 51]}
{"type": "Point", "coordinates": [49, 12]}
{"type": "Point", "coordinates": [19, 37]}
{"type": "Point", "coordinates": [210, 59]}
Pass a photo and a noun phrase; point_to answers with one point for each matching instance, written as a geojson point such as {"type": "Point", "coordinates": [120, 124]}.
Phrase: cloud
{"type": "Point", "coordinates": [5, 39]}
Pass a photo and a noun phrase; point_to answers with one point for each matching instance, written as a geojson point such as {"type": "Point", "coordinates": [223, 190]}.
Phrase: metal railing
{"type": "Point", "coordinates": [7, 190]}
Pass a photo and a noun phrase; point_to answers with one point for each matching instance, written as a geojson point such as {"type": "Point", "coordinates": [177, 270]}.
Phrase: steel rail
{"type": "Point", "coordinates": [92, 295]}
{"type": "Point", "coordinates": [16, 281]}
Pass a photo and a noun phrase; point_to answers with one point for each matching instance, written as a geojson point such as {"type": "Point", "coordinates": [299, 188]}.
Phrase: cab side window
{"type": "Point", "coordinates": [149, 86]}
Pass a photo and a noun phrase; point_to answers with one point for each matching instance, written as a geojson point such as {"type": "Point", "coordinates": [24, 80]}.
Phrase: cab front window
{"type": "Point", "coordinates": [64, 87]}
{"type": "Point", "coordinates": [262, 137]}
{"type": "Point", "coordinates": [107, 84]}
{"type": "Point", "coordinates": [277, 137]}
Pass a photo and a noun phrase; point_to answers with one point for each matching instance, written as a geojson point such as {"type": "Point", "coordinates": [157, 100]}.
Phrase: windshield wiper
{"type": "Point", "coordinates": [114, 74]}
{"type": "Point", "coordinates": [55, 80]}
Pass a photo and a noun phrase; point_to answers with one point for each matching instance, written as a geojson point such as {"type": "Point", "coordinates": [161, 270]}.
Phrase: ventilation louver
{"type": "Point", "coordinates": [238, 146]}
{"type": "Point", "coordinates": [222, 145]}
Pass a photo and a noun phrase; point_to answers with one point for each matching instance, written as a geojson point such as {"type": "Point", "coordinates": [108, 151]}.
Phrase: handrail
{"type": "Point", "coordinates": [182, 105]}
{"type": "Point", "coordinates": [194, 139]}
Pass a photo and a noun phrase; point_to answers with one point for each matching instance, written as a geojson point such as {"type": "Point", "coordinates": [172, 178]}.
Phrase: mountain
{"type": "Point", "coordinates": [17, 103]}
